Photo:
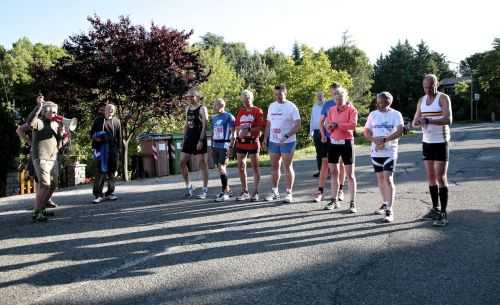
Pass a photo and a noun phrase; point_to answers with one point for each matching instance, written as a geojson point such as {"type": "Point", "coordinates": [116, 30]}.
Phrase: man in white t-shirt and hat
{"type": "Point", "coordinates": [383, 128]}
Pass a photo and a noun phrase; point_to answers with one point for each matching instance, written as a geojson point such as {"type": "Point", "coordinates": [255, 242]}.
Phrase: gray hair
{"type": "Point", "coordinates": [432, 77]}
{"type": "Point", "coordinates": [386, 95]}
{"type": "Point", "coordinates": [221, 101]}
{"type": "Point", "coordinates": [47, 105]}
{"type": "Point", "coordinates": [194, 92]}
{"type": "Point", "coordinates": [342, 92]}
{"type": "Point", "coordinates": [248, 94]}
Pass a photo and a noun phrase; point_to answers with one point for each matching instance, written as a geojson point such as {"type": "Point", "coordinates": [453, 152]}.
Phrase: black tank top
{"type": "Point", "coordinates": [194, 122]}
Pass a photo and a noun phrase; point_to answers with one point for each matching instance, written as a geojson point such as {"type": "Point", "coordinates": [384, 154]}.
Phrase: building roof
{"type": "Point", "coordinates": [454, 80]}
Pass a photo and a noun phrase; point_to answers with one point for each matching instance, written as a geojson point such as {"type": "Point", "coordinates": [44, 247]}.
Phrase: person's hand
{"type": "Point", "coordinates": [378, 141]}
{"type": "Point", "coordinates": [199, 146]}
{"type": "Point", "coordinates": [423, 121]}
{"type": "Point", "coordinates": [406, 129]}
{"type": "Point", "coordinates": [283, 139]}
{"type": "Point", "coordinates": [323, 138]}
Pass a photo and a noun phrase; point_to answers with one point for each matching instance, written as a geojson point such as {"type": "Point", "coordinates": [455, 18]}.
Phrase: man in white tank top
{"type": "Point", "coordinates": [434, 116]}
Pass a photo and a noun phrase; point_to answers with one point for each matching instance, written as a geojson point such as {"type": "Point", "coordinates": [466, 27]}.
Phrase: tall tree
{"type": "Point", "coordinates": [223, 81]}
{"type": "Point", "coordinates": [17, 66]}
{"type": "Point", "coordinates": [305, 79]}
{"type": "Point", "coordinates": [252, 68]}
{"type": "Point", "coordinates": [141, 71]}
{"type": "Point", "coordinates": [402, 70]}
{"type": "Point", "coordinates": [296, 53]}
{"type": "Point", "coordinates": [10, 146]}
{"type": "Point", "coordinates": [354, 61]}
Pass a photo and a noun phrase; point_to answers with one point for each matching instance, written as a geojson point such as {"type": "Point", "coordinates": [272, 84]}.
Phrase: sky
{"type": "Point", "coordinates": [455, 28]}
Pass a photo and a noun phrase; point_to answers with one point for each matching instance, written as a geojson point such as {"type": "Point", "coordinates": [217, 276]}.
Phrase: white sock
{"type": "Point", "coordinates": [275, 190]}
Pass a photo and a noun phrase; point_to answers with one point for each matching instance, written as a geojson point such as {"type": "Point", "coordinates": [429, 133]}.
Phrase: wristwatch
{"type": "Point", "coordinates": [286, 136]}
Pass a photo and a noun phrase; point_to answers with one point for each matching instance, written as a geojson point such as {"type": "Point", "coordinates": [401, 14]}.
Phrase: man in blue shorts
{"type": "Point", "coordinates": [283, 123]}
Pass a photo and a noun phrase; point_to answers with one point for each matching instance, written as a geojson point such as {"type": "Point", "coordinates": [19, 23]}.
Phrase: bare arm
{"type": "Point", "coordinates": [266, 132]}
{"type": "Point", "coordinates": [232, 136]}
{"type": "Point", "coordinates": [185, 124]}
{"type": "Point", "coordinates": [295, 128]}
{"type": "Point", "coordinates": [204, 122]}
{"type": "Point", "coordinates": [416, 118]}
{"type": "Point", "coordinates": [396, 134]}
{"type": "Point", "coordinates": [322, 126]}
{"type": "Point", "coordinates": [367, 133]}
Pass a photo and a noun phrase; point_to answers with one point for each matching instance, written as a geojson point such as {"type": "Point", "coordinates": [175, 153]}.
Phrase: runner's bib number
{"type": "Point", "coordinates": [337, 142]}
{"type": "Point", "coordinates": [276, 134]}
{"type": "Point", "coordinates": [218, 133]}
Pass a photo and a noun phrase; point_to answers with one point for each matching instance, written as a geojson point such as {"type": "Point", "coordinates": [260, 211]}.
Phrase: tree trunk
{"type": "Point", "coordinates": [125, 159]}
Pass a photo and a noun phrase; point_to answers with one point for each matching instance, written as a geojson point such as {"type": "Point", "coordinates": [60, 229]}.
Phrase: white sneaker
{"type": "Point", "coordinates": [288, 198]}
{"type": "Point", "coordinates": [255, 197]}
{"type": "Point", "coordinates": [318, 197]}
{"type": "Point", "coordinates": [340, 196]}
{"type": "Point", "coordinates": [389, 216]}
{"type": "Point", "coordinates": [219, 197]}
{"type": "Point", "coordinates": [203, 194]}
{"type": "Point", "coordinates": [352, 207]}
{"type": "Point", "coordinates": [381, 210]}
{"type": "Point", "coordinates": [111, 197]}
{"type": "Point", "coordinates": [273, 196]}
{"type": "Point", "coordinates": [243, 196]}
{"type": "Point", "coordinates": [98, 200]}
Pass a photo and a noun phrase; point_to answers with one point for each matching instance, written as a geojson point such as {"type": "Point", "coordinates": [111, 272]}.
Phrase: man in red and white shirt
{"type": "Point", "coordinates": [341, 122]}
{"type": "Point", "coordinates": [249, 125]}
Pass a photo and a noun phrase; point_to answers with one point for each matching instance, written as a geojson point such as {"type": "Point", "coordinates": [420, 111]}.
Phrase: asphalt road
{"type": "Point", "coordinates": [154, 247]}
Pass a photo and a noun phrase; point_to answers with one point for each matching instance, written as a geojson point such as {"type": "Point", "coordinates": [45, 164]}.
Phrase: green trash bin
{"type": "Point", "coordinates": [175, 143]}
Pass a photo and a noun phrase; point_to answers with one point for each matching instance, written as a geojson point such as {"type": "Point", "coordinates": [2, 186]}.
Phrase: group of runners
{"type": "Point", "coordinates": [332, 127]}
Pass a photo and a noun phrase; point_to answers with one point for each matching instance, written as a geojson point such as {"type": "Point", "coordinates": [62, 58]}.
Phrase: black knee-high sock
{"type": "Point", "coordinates": [433, 189]}
{"type": "Point", "coordinates": [443, 197]}
{"type": "Point", "coordinates": [223, 179]}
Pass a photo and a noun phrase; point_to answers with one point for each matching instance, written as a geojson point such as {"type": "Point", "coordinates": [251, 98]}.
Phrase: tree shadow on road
{"type": "Point", "coordinates": [458, 266]}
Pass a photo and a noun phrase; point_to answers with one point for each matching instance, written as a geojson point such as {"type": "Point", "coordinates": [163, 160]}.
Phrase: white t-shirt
{"type": "Point", "coordinates": [383, 124]}
{"type": "Point", "coordinates": [282, 117]}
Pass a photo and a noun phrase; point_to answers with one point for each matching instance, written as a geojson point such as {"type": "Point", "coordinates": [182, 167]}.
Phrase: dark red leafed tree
{"type": "Point", "coordinates": [141, 71]}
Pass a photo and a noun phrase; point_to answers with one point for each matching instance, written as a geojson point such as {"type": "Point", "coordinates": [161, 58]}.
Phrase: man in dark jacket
{"type": "Point", "coordinates": [106, 144]}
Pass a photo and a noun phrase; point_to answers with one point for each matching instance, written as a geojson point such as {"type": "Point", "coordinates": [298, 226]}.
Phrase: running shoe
{"type": "Point", "coordinates": [243, 196]}
{"type": "Point", "coordinates": [381, 210]}
{"type": "Point", "coordinates": [441, 221]}
{"type": "Point", "coordinates": [389, 216]}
